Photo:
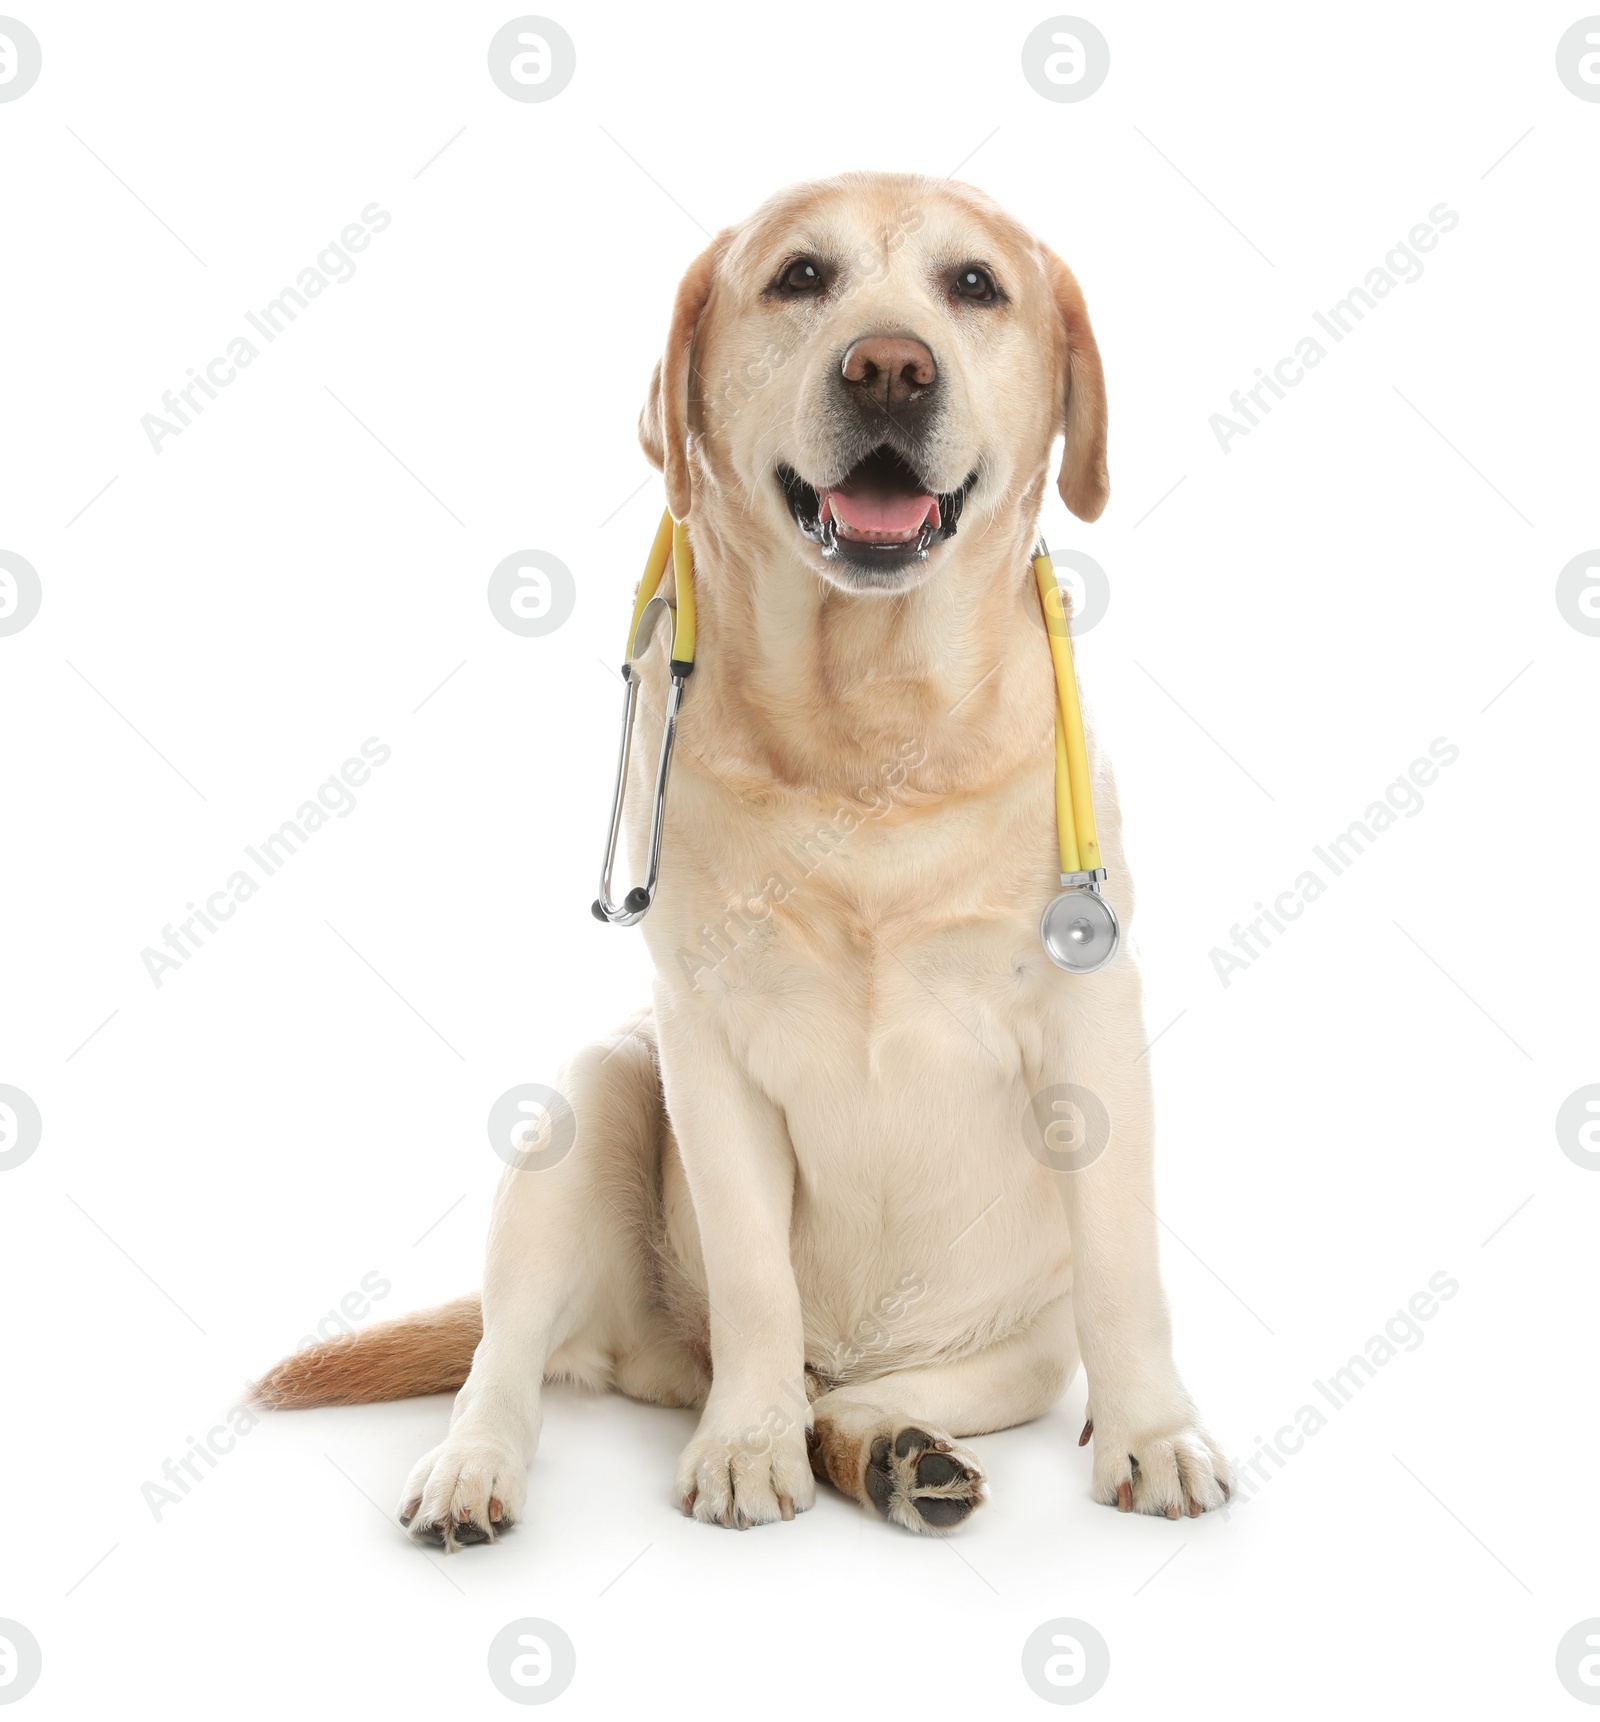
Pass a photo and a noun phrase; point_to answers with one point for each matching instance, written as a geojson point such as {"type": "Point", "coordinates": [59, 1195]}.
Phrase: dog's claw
{"type": "Point", "coordinates": [1088, 1430]}
{"type": "Point", "coordinates": [1124, 1497]}
{"type": "Point", "coordinates": [786, 1506]}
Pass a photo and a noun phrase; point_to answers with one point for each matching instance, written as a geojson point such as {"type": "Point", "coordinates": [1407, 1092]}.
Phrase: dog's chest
{"type": "Point", "coordinates": [875, 956]}
{"type": "Point", "coordinates": [876, 971]}
{"type": "Point", "coordinates": [898, 1044]}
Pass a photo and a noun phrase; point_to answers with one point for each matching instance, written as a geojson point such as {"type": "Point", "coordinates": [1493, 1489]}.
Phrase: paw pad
{"type": "Point", "coordinates": [921, 1481]}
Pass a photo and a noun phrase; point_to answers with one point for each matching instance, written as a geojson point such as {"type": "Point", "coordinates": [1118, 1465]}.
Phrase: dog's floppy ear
{"type": "Point", "coordinates": [1084, 483]}
{"type": "Point", "coordinates": [664, 428]}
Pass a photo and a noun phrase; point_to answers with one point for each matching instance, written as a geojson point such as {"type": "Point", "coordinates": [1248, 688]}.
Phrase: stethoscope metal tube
{"type": "Point", "coordinates": [1079, 929]}
{"type": "Point", "coordinates": [633, 906]}
{"type": "Point", "coordinates": [671, 542]}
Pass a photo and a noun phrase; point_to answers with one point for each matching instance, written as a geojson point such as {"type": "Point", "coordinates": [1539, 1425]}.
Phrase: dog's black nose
{"type": "Point", "coordinates": [894, 370]}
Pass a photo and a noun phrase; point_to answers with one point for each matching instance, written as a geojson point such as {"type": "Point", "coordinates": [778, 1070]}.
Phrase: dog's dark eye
{"type": "Point", "coordinates": [803, 275]}
{"type": "Point", "coordinates": [975, 284]}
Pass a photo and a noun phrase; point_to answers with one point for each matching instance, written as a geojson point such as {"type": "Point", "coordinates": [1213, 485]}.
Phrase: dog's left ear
{"type": "Point", "coordinates": [1084, 483]}
{"type": "Point", "coordinates": [664, 424]}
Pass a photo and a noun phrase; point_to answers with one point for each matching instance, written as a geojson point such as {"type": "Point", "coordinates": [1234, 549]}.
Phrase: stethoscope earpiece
{"type": "Point", "coordinates": [1079, 929]}
{"type": "Point", "coordinates": [634, 904]}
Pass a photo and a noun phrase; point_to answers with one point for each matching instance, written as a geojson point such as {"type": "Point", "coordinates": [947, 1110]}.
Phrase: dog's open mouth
{"type": "Point", "coordinates": [880, 517]}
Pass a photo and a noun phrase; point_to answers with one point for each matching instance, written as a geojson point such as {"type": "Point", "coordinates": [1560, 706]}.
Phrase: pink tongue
{"type": "Point", "coordinates": [865, 509]}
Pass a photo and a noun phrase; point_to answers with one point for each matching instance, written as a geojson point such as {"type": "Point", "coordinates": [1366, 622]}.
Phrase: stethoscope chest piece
{"type": "Point", "coordinates": [1079, 928]}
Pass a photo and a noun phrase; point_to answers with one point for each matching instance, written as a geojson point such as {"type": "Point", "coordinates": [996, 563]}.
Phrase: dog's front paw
{"type": "Point", "coordinates": [753, 1477]}
{"type": "Point", "coordinates": [469, 1490]}
{"type": "Point", "coordinates": [1161, 1461]}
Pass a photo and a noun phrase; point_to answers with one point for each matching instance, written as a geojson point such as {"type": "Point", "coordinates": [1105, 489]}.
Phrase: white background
{"type": "Point", "coordinates": [229, 1154]}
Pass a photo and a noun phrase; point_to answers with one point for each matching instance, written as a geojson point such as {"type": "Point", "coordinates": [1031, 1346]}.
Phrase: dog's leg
{"type": "Point", "coordinates": [1151, 1453]}
{"type": "Point", "coordinates": [889, 1444]}
{"type": "Point", "coordinates": [747, 1462]}
{"type": "Point", "coordinates": [568, 1290]}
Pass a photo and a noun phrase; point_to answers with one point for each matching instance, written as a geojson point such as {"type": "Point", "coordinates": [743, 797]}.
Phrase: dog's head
{"type": "Point", "coordinates": [867, 360]}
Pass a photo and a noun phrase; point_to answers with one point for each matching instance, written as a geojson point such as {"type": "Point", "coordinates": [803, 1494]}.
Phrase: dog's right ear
{"type": "Point", "coordinates": [664, 424]}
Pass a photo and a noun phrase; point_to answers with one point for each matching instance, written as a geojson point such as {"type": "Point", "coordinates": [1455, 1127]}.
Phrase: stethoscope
{"type": "Point", "coordinates": [1078, 929]}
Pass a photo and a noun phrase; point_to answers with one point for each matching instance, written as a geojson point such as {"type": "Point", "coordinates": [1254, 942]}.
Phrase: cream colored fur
{"type": "Point", "coordinates": [801, 1196]}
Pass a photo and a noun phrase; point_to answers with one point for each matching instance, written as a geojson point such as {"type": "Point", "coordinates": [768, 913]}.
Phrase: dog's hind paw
{"type": "Point", "coordinates": [917, 1478]}
{"type": "Point", "coordinates": [923, 1481]}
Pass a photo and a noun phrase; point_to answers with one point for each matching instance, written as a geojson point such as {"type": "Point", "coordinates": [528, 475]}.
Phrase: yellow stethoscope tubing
{"type": "Point", "coordinates": [671, 544]}
{"type": "Point", "coordinates": [1066, 824]}
{"type": "Point", "coordinates": [1075, 828]}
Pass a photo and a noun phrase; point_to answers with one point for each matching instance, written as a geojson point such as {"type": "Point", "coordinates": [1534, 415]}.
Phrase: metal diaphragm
{"type": "Point", "coordinates": [1080, 931]}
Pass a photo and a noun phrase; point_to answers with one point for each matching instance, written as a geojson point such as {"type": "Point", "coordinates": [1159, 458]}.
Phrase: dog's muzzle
{"type": "Point", "coordinates": [880, 517]}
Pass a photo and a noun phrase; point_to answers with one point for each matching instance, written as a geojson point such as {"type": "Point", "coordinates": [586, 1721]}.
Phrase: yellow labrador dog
{"type": "Point", "coordinates": [801, 1197]}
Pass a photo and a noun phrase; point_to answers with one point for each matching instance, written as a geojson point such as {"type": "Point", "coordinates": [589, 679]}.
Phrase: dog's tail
{"type": "Point", "coordinates": [429, 1351]}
